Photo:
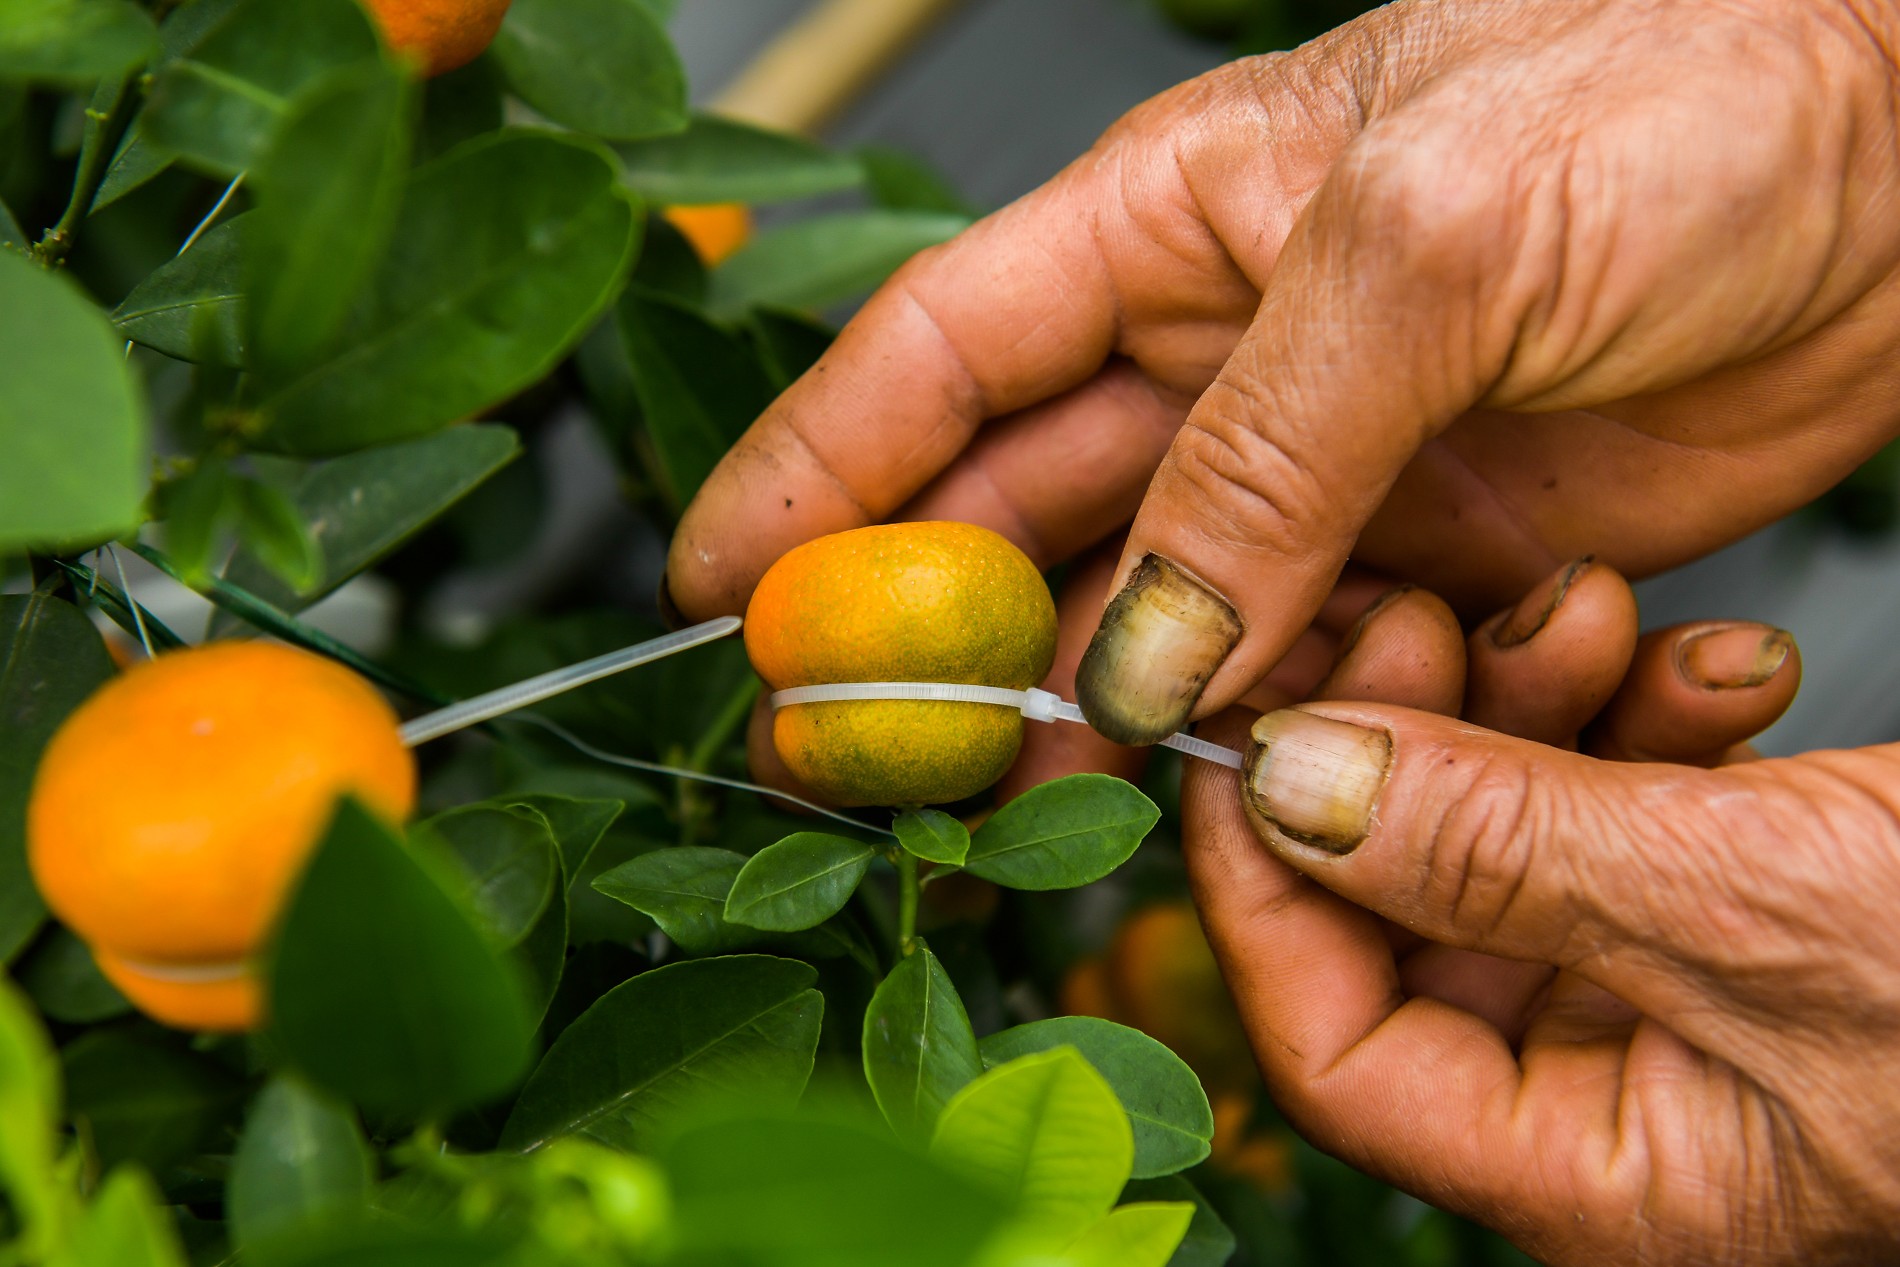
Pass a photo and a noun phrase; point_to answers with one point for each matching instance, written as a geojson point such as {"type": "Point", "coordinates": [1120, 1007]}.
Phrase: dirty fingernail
{"type": "Point", "coordinates": [1314, 779]}
{"type": "Point", "coordinates": [670, 614]}
{"type": "Point", "coordinates": [1160, 640]}
{"type": "Point", "coordinates": [1734, 658]}
{"type": "Point", "coordinates": [1536, 608]}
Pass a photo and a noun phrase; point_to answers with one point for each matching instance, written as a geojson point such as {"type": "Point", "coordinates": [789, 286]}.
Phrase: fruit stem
{"type": "Point", "coordinates": [908, 888]}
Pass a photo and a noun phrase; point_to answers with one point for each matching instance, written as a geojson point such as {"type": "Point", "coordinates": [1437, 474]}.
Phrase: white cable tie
{"type": "Point", "coordinates": [535, 689]}
{"type": "Point", "coordinates": [1034, 704]}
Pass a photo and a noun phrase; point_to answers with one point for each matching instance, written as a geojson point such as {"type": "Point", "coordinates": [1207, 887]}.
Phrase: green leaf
{"type": "Point", "coordinates": [1208, 1242]}
{"type": "Point", "coordinates": [811, 1192]}
{"type": "Point", "coordinates": [458, 107]}
{"type": "Point", "coordinates": [1173, 1125]}
{"type": "Point", "coordinates": [301, 1156]}
{"type": "Point", "coordinates": [29, 1106]}
{"type": "Point", "coordinates": [1065, 833]}
{"type": "Point", "coordinates": [684, 891]}
{"type": "Point", "coordinates": [192, 307]}
{"type": "Point", "coordinates": [798, 883]}
{"type": "Point", "coordinates": [361, 507]}
{"type": "Point", "coordinates": [1046, 1133]}
{"type": "Point", "coordinates": [220, 104]}
{"type": "Point", "coordinates": [932, 835]}
{"type": "Point", "coordinates": [73, 40]}
{"type": "Point", "coordinates": [743, 1027]}
{"type": "Point", "coordinates": [506, 860]}
{"type": "Point", "coordinates": [384, 1242]}
{"type": "Point", "coordinates": [127, 1225]}
{"type": "Point", "coordinates": [327, 192]}
{"type": "Point", "coordinates": [919, 1049]}
{"type": "Point", "coordinates": [72, 420]}
{"type": "Point", "coordinates": [578, 823]}
{"type": "Point", "coordinates": [51, 659]}
{"type": "Point", "coordinates": [274, 534]}
{"type": "Point", "coordinates": [504, 251]}
{"type": "Point", "coordinates": [789, 343]}
{"type": "Point", "coordinates": [699, 387]}
{"type": "Point", "coordinates": [724, 160]}
{"type": "Point", "coordinates": [12, 236]}
{"type": "Point", "coordinates": [65, 983]}
{"type": "Point", "coordinates": [901, 181]}
{"type": "Point", "coordinates": [196, 506]}
{"type": "Point", "coordinates": [138, 160]}
{"type": "Point", "coordinates": [383, 989]}
{"type": "Point", "coordinates": [1141, 1235]}
{"type": "Point", "coordinates": [826, 259]}
{"type": "Point", "coordinates": [604, 67]}
{"type": "Point", "coordinates": [144, 1099]}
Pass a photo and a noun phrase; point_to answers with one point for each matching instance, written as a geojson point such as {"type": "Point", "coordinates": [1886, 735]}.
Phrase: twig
{"type": "Point", "coordinates": [104, 130]}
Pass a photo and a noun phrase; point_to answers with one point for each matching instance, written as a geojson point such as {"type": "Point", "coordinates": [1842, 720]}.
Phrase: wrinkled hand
{"type": "Point", "coordinates": [1707, 1079]}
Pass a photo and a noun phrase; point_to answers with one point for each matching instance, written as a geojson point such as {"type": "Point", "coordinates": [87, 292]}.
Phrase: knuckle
{"type": "Point", "coordinates": [1487, 872]}
{"type": "Point", "coordinates": [1267, 494]}
{"type": "Point", "coordinates": [1410, 192]}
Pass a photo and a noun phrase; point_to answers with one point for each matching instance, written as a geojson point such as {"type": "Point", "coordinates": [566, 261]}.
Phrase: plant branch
{"type": "Point", "coordinates": [104, 130]}
{"type": "Point", "coordinates": [907, 891]}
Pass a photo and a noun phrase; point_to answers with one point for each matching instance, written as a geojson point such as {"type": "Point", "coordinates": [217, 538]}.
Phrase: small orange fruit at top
{"type": "Point", "coordinates": [441, 34]}
{"type": "Point", "coordinates": [174, 809]}
{"type": "Point", "coordinates": [715, 229]}
{"type": "Point", "coordinates": [914, 602]}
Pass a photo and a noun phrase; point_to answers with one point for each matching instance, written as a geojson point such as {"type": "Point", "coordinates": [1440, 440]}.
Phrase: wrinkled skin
{"type": "Point", "coordinates": [1464, 290]}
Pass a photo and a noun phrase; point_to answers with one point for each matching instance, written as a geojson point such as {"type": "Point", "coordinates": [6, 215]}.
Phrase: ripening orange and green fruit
{"type": "Point", "coordinates": [916, 602]}
{"type": "Point", "coordinates": [440, 34]}
{"type": "Point", "coordinates": [173, 810]}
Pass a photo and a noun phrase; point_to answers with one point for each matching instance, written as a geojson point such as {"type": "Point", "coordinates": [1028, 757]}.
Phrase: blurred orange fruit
{"type": "Point", "coordinates": [173, 810]}
{"type": "Point", "coordinates": [716, 229]}
{"type": "Point", "coordinates": [914, 602]}
{"type": "Point", "coordinates": [441, 34]}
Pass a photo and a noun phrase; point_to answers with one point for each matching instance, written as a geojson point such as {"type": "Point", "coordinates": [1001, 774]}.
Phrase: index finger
{"type": "Point", "coordinates": [1017, 309]}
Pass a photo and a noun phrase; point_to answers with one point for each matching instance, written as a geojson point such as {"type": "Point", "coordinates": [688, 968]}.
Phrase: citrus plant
{"type": "Point", "coordinates": [292, 291]}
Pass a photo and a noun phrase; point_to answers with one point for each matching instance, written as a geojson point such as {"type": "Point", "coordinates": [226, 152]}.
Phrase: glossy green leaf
{"type": "Point", "coordinates": [384, 989]}
{"type": "Point", "coordinates": [797, 883]}
{"type": "Point", "coordinates": [506, 861]}
{"type": "Point", "coordinates": [144, 1098]}
{"type": "Point", "coordinates": [684, 891]}
{"type": "Point", "coordinates": [503, 253]}
{"type": "Point", "coordinates": [72, 419]}
{"type": "Point", "coordinates": [826, 259]}
{"type": "Point", "coordinates": [1173, 1125]}
{"type": "Point", "coordinates": [302, 1156]}
{"type": "Point", "coordinates": [742, 1028]}
{"type": "Point", "coordinates": [65, 983]}
{"type": "Point", "coordinates": [932, 835]}
{"type": "Point", "coordinates": [127, 1225]}
{"type": "Point", "coordinates": [192, 307]}
{"type": "Point", "coordinates": [73, 40]}
{"type": "Point", "coordinates": [276, 535]}
{"type": "Point", "coordinates": [1046, 1133]}
{"type": "Point", "coordinates": [51, 659]}
{"type": "Point", "coordinates": [29, 1107]}
{"type": "Point", "coordinates": [604, 67]}
{"type": "Point", "coordinates": [383, 1242]}
{"type": "Point", "coordinates": [196, 507]}
{"type": "Point", "coordinates": [360, 507]}
{"type": "Point", "coordinates": [220, 104]}
{"type": "Point", "coordinates": [699, 387]}
{"type": "Point", "coordinates": [919, 1049]}
{"type": "Point", "coordinates": [1209, 1242]}
{"type": "Point", "coordinates": [12, 236]}
{"type": "Point", "coordinates": [1143, 1234]}
{"type": "Point", "coordinates": [138, 159]}
{"type": "Point", "coordinates": [810, 1192]}
{"type": "Point", "coordinates": [1064, 833]}
{"type": "Point", "coordinates": [578, 823]}
{"type": "Point", "coordinates": [327, 191]}
{"type": "Point", "coordinates": [724, 160]}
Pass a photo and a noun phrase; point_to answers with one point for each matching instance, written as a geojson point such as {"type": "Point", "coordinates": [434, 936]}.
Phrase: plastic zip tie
{"type": "Point", "coordinates": [1034, 703]}
{"type": "Point", "coordinates": [533, 690]}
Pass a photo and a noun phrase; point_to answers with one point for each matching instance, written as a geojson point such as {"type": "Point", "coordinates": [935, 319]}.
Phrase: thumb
{"type": "Point", "coordinates": [1381, 322]}
{"type": "Point", "coordinates": [1495, 844]}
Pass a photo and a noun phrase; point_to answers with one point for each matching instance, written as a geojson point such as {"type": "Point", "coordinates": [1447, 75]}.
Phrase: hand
{"type": "Point", "coordinates": [1465, 288]}
{"type": "Point", "coordinates": [1704, 1081]}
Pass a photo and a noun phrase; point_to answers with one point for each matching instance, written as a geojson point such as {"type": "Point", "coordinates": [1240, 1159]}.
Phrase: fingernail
{"type": "Point", "coordinates": [1734, 658]}
{"type": "Point", "coordinates": [670, 614]}
{"type": "Point", "coordinates": [1359, 626]}
{"type": "Point", "coordinates": [1534, 611]}
{"type": "Point", "coordinates": [1314, 779]}
{"type": "Point", "coordinates": [1160, 641]}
